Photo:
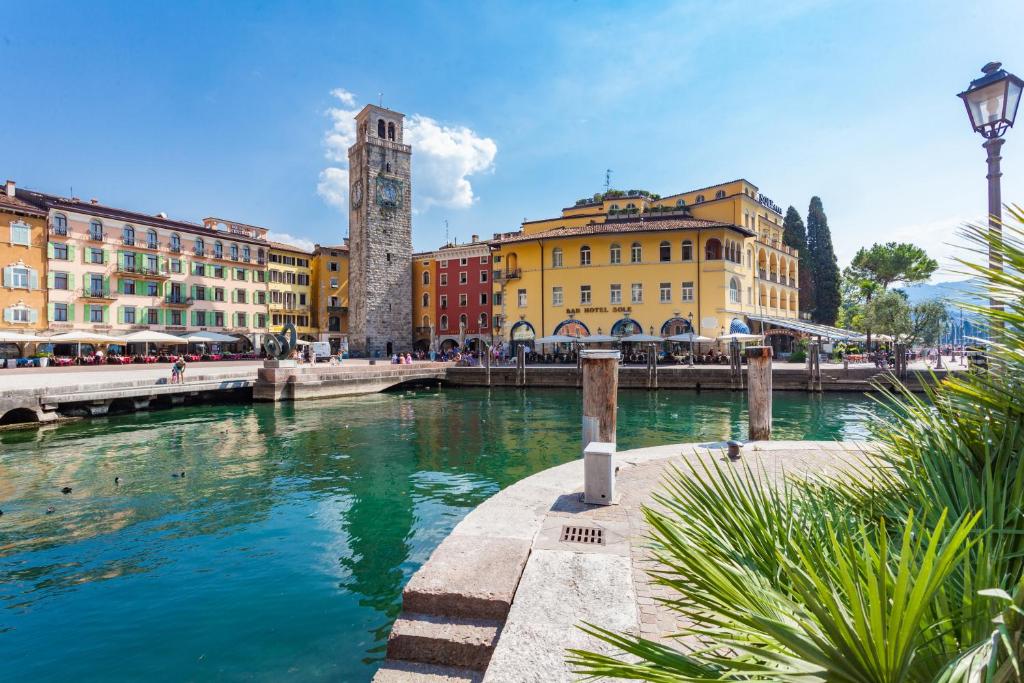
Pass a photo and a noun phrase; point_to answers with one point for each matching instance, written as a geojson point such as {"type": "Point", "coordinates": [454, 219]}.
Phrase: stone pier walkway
{"type": "Point", "coordinates": [560, 584]}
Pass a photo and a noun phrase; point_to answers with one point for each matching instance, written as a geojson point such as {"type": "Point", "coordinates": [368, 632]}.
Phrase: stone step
{"type": "Point", "coordinates": [449, 641]}
{"type": "Point", "coordinates": [393, 671]}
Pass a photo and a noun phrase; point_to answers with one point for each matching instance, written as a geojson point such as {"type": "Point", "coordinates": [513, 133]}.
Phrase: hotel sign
{"type": "Point", "coordinates": [599, 309]}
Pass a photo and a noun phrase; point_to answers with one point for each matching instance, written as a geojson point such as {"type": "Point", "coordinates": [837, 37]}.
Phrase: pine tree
{"type": "Point", "coordinates": [794, 235]}
{"type": "Point", "coordinates": [825, 269]}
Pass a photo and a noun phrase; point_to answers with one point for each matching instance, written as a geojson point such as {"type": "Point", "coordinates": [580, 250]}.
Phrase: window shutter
{"type": "Point", "coordinates": [8, 315]}
{"type": "Point", "coordinates": [8, 276]}
{"type": "Point", "coordinates": [106, 284]}
{"type": "Point", "coordinates": [49, 279]}
{"type": "Point", "coordinates": [120, 259]}
{"type": "Point", "coordinates": [120, 314]}
{"type": "Point", "coordinates": [87, 312]}
{"type": "Point", "coordinates": [106, 257]}
{"type": "Point", "coordinates": [49, 311]}
{"type": "Point", "coordinates": [71, 252]}
{"type": "Point", "coordinates": [33, 278]}
{"type": "Point", "coordinates": [49, 247]}
{"type": "Point", "coordinates": [33, 315]}
{"type": "Point", "coordinates": [106, 313]}
{"type": "Point", "coordinates": [71, 312]}
{"type": "Point", "coordinates": [71, 280]}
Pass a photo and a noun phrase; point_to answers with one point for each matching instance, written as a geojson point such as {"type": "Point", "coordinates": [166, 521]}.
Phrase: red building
{"type": "Point", "coordinates": [462, 294]}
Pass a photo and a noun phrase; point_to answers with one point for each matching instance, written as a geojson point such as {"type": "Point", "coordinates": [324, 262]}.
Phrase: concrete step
{"type": "Point", "coordinates": [449, 641]}
{"type": "Point", "coordinates": [393, 671]}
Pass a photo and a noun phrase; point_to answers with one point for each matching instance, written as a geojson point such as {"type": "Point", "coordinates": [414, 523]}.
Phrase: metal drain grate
{"type": "Point", "coordinates": [582, 534]}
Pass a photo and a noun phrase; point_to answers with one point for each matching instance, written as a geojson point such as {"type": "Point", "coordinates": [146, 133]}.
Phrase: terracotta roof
{"type": "Point", "coordinates": [614, 227]}
{"type": "Point", "coordinates": [19, 205]}
{"type": "Point", "coordinates": [281, 246]}
{"type": "Point", "coordinates": [135, 218]}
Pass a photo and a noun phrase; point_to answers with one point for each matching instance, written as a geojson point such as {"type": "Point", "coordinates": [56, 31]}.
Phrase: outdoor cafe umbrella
{"type": "Point", "coordinates": [82, 336]}
{"type": "Point", "coordinates": [151, 336]}
{"type": "Point", "coordinates": [203, 337]}
{"type": "Point", "coordinates": [641, 337]}
{"type": "Point", "coordinates": [556, 339]}
{"type": "Point", "coordinates": [597, 339]}
{"type": "Point", "coordinates": [740, 337]}
{"type": "Point", "coordinates": [19, 338]}
{"type": "Point", "coordinates": [689, 337]}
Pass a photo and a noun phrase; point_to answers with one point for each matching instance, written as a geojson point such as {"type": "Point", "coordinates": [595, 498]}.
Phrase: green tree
{"type": "Point", "coordinates": [927, 320]}
{"type": "Point", "coordinates": [794, 235]}
{"type": "Point", "coordinates": [888, 313]}
{"type": "Point", "coordinates": [824, 268]}
{"type": "Point", "coordinates": [886, 264]}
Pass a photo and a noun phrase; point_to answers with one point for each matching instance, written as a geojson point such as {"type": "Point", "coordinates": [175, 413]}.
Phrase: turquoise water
{"type": "Point", "coordinates": [283, 551]}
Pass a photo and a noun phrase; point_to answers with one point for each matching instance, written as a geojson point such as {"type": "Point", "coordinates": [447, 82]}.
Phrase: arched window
{"type": "Point", "coordinates": [444, 322]}
{"type": "Point", "coordinates": [218, 250]}
{"type": "Point", "coordinates": [713, 250]}
{"type": "Point", "coordinates": [734, 291]}
{"type": "Point", "coordinates": [234, 252]}
{"type": "Point", "coordinates": [613, 207]}
{"type": "Point", "coordinates": [199, 247]}
{"type": "Point", "coordinates": [687, 250]}
{"type": "Point", "coordinates": [615, 254]}
{"type": "Point", "coordinates": [96, 231]}
{"type": "Point", "coordinates": [483, 321]}
{"type": "Point", "coordinates": [720, 194]}
{"type": "Point", "coordinates": [680, 202]}
{"type": "Point", "coordinates": [665, 252]}
{"type": "Point", "coordinates": [426, 278]}
{"type": "Point", "coordinates": [426, 299]}
{"type": "Point", "coordinates": [636, 253]}
{"type": "Point", "coordinates": [128, 235]}
{"type": "Point", "coordinates": [151, 239]}
{"type": "Point", "coordinates": [426, 321]}
{"type": "Point", "coordinates": [750, 258]}
{"type": "Point", "coordinates": [556, 257]}
{"type": "Point", "coordinates": [463, 321]}
{"type": "Point", "coordinates": [60, 224]}
{"type": "Point", "coordinates": [700, 199]}
{"type": "Point", "coordinates": [630, 206]}
{"type": "Point", "coordinates": [584, 255]}
{"type": "Point", "coordinates": [391, 131]}
{"type": "Point", "coordinates": [380, 128]}
{"type": "Point", "coordinates": [175, 242]}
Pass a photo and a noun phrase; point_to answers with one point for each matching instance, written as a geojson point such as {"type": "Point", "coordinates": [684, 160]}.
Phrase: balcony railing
{"type": "Point", "coordinates": [762, 274]}
{"type": "Point", "coordinates": [61, 230]}
{"type": "Point", "coordinates": [199, 252]}
{"type": "Point", "coordinates": [505, 275]}
{"type": "Point", "coordinates": [128, 241]}
{"type": "Point", "coordinates": [152, 245]}
{"type": "Point", "coordinates": [96, 236]}
{"type": "Point", "coordinates": [175, 248]}
{"type": "Point", "coordinates": [96, 292]}
{"type": "Point", "coordinates": [177, 300]}
{"type": "Point", "coordinates": [141, 270]}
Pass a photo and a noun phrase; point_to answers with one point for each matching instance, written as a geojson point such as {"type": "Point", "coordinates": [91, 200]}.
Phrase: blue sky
{"type": "Point", "coordinates": [201, 108]}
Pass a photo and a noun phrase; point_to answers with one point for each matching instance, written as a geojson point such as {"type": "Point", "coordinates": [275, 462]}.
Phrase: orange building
{"type": "Point", "coordinates": [23, 235]}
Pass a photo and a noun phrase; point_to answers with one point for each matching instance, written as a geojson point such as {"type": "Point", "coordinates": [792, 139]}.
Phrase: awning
{"type": "Point", "coordinates": [204, 337]}
{"type": "Point", "coordinates": [641, 338]}
{"type": "Point", "coordinates": [154, 337]}
{"type": "Point", "coordinates": [84, 337]}
{"type": "Point", "coordinates": [812, 329]}
{"type": "Point", "coordinates": [19, 338]}
{"type": "Point", "coordinates": [556, 339]}
{"type": "Point", "coordinates": [687, 337]}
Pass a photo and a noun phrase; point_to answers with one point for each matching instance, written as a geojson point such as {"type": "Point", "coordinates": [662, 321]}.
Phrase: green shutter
{"type": "Point", "coordinates": [71, 252]}
{"type": "Point", "coordinates": [106, 257]}
{"type": "Point", "coordinates": [120, 314]}
{"type": "Point", "coordinates": [106, 284]}
{"type": "Point", "coordinates": [120, 259]}
{"type": "Point", "coordinates": [49, 312]}
{"type": "Point", "coordinates": [71, 280]}
{"type": "Point", "coordinates": [49, 248]}
{"type": "Point", "coordinates": [106, 313]}
{"type": "Point", "coordinates": [49, 279]}
{"type": "Point", "coordinates": [87, 309]}
{"type": "Point", "coordinates": [71, 312]}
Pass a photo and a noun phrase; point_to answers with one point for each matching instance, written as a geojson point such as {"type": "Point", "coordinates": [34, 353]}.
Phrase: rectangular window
{"type": "Point", "coordinates": [175, 265]}
{"type": "Point", "coordinates": [522, 298]}
{"type": "Point", "coordinates": [261, 298]}
{"type": "Point", "coordinates": [152, 264]}
{"type": "Point", "coordinates": [218, 319]}
{"type": "Point", "coordinates": [20, 278]}
{"type": "Point", "coordinates": [333, 266]}
{"type": "Point", "coordinates": [636, 291]}
{"type": "Point", "coordinates": [200, 317]}
{"type": "Point", "coordinates": [60, 280]}
{"type": "Point", "coordinates": [483, 276]}
{"type": "Point", "coordinates": [129, 315]}
{"type": "Point", "coordinates": [152, 289]}
{"type": "Point", "coordinates": [60, 313]}
{"type": "Point", "coordinates": [198, 269]}
{"type": "Point", "coordinates": [334, 283]}
{"type": "Point", "coordinates": [557, 299]}
{"type": "Point", "coordinates": [60, 251]}
{"type": "Point", "coordinates": [444, 263]}
{"type": "Point", "coordinates": [616, 294]}
{"type": "Point", "coordinates": [200, 293]}
{"type": "Point", "coordinates": [665, 292]}
{"type": "Point", "coordinates": [444, 279]}
{"type": "Point", "coordinates": [463, 277]}
{"type": "Point", "coordinates": [463, 300]}
{"type": "Point", "coordinates": [687, 250]}
{"type": "Point", "coordinates": [615, 254]}
{"type": "Point", "coordinates": [483, 299]}
{"type": "Point", "coordinates": [95, 256]}
{"type": "Point", "coordinates": [687, 291]}
{"type": "Point", "coordinates": [153, 316]}
{"type": "Point", "coordinates": [218, 294]}
{"type": "Point", "coordinates": [584, 294]}
{"type": "Point", "coordinates": [129, 286]}
{"type": "Point", "coordinates": [463, 261]}
{"type": "Point", "coordinates": [261, 320]}
{"type": "Point", "coordinates": [444, 301]}
{"type": "Point", "coordinates": [239, 319]}
{"type": "Point", "coordinates": [302, 299]}
{"type": "Point", "coordinates": [21, 234]}
{"type": "Point", "coordinates": [497, 299]}
{"type": "Point", "coordinates": [95, 314]}
{"type": "Point", "coordinates": [176, 318]}
{"type": "Point", "coordinates": [484, 259]}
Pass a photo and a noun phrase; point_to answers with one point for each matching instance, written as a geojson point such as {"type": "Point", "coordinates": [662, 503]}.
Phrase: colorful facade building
{"type": "Point", "coordinates": [113, 270]}
{"type": "Point", "coordinates": [463, 294]}
{"type": "Point", "coordinates": [23, 235]}
{"type": "Point", "coordinates": [424, 320]}
{"type": "Point", "coordinates": [289, 278]}
{"type": "Point", "coordinates": [624, 263]}
{"type": "Point", "coordinates": [330, 294]}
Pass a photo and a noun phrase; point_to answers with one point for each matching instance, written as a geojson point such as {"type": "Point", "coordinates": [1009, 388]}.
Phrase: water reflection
{"type": "Point", "coordinates": [283, 550]}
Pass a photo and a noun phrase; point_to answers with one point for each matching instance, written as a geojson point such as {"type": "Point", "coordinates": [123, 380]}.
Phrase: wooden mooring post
{"type": "Point", "coordinates": [600, 395]}
{"type": "Point", "coordinates": [521, 365]}
{"type": "Point", "coordinates": [487, 361]}
{"type": "Point", "coordinates": [759, 392]}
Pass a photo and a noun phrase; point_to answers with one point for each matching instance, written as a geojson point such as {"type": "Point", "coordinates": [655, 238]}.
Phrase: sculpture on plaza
{"type": "Point", "coordinates": [280, 346]}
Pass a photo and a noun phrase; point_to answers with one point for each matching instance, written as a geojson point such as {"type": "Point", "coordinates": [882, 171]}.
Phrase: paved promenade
{"type": "Point", "coordinates": [500, 599]}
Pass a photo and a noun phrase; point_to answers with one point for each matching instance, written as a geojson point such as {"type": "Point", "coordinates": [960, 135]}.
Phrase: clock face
{"type": "Point", "coordinates": [357, 193]}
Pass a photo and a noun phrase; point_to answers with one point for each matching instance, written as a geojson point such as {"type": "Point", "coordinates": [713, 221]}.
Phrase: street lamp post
{"type": "Point", "coordinates": [689, 319]}
{"type": "Point", "coordinates": [991, 103]}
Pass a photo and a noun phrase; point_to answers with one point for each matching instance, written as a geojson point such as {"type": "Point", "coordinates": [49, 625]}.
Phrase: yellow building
{"type": "Point", "coordinates": [289, 278]}
{"type": "Point", "coordinates": [23, 244]}
{"type": "Point", "coordinates": [330, 295]}
{"type": "Point", "coordinates": [623, 263]}
{"type": "Point", "coordinates": [424, 276]}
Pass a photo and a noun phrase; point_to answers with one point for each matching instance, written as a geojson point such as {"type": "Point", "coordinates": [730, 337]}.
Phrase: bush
{"type": "Point", "coordinates": [798, 356]}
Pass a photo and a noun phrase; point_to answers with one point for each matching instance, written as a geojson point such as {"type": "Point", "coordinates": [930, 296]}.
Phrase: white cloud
{"type": "Point", "coordinates": [300, 242]}
{"type": "Point", "coordinates": [941, 239]}
{"type": "Point", "coordinates": [333, 186]}
{"type": "Point", "coordinates": [444, 158]}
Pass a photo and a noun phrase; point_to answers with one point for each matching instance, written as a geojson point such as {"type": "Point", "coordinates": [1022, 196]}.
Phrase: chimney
{"type": "Point", "coordinates": [9, 188]}
{"type": "Point", "coordinates": [476, 238]}
{"type": "Point", "coordinates": [94, 201]}
{"type": "Point", "coordinates": [162, 215]}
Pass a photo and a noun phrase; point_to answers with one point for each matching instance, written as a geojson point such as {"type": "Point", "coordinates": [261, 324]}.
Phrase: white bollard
{"type": "Point", "coordinates": [599, 473]}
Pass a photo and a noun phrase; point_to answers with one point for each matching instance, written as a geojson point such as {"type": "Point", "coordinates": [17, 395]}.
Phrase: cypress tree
{"type": "Point", "coordinates": [824, 268]}
{"type": "Point", "coordinates": [794, 235]}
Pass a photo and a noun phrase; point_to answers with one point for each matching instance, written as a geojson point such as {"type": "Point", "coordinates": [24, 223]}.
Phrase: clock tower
{"type": "Point", "coordinates": [380, 235]}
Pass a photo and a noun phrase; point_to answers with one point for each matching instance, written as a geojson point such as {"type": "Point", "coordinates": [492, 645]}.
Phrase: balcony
{"type": "Point", "coordinates": [175, 248]}
{"type": "Point", "coordinates": [128, 241]}
{"type": "Point", "coordinates": [59, 230]}
{"type": "Point", "coordinates": [421, 331]}
{"type": "Point", "coordinates": [177, 300]}
{"type": "Point", "coordinates": [142, 271]}
{"type": "Point", "coordinates": [96, 236]}
{"type": "Point", "coordinates": [506, 275]}
{"type": "Point", "coordinates": [199, 252]}
{"type": "Point", "coordinates": [97, 293]}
